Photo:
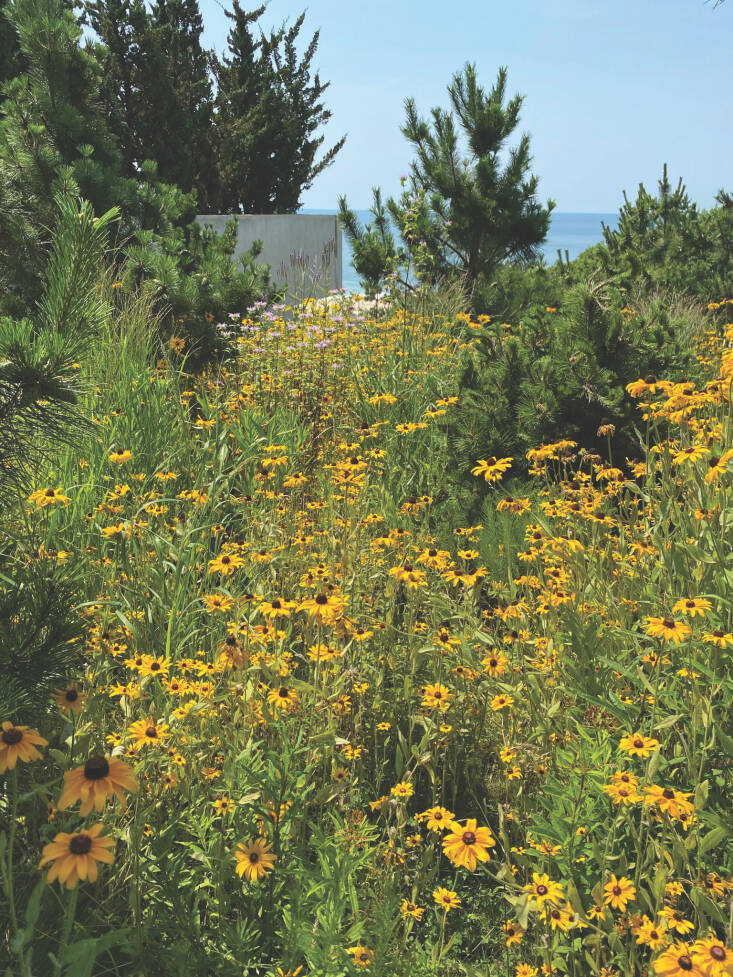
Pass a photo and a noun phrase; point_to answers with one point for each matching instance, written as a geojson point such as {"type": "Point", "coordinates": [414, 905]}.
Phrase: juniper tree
{"type": "Point", "coordinates": [471, 202]}
{"type": "Point", "coordinates": [268, 113]}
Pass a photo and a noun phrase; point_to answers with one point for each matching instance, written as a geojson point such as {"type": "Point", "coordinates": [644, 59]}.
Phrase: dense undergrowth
{"type": "Point", "coordinates": [325, 725]}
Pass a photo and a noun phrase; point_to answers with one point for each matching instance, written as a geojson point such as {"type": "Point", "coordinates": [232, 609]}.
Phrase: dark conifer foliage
{"type": "Point", "coordinates": [269, 110]}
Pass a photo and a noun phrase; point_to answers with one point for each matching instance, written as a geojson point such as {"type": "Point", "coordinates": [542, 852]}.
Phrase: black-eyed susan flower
{"type": "Point", "coordinates": [70, 699]}
{"type": "Point", "coordinates": [146, 732]}
{"type": "Point", "coordinates": [43, 498]}
{"type": "Point", "coordinates": [283, 698]}
{"type": "Point", "coordinates": [447, 899]}
{"type": "Point", "coordinates": [436, 697]}
{"type": "Point", "coordinates": [101, 777]}
{"type": "Point", "coordinates": [619, 892]}
{"type": "Point", "coordinates": [668, 629]}
{"type": "Point", "coordinates": [468, 845]}
{"type": "Point", "coordinates": [712, 957]}
{"type": "Point", "coordinates": [18, 743]}
{"type": "Point", "coordinates": [672, 802]}
{"type": "Point", "coordinates": [226, 564]}
{"type": "Point", "coordinates": [439, 819]}
{"type": "Point", "coordinates": [254, 859]}
{"type": "Point", "coordinates": [692, 606]}
{"type": "Point", "coordinates": [325, 608]}
{"type": "Point", "coordinates": [677, 962]}
{"type": "Point", "coordinates": [408, 908]}
{"type": "Point", "coordinates": [636, 744]}
{"type": "Point", "coordinates": [403, 790]}
{"type": "Point", "coordinates": [542, 889]}
{"type": "Point", "coordinates": [513, 932]}
{"type": "Point", "coordinates": [361, 955]}
{"type": "Point", "coordinates": [502, 701]}
{"type": "Point", "coordinates": [492, 469]}
{"type": "Point", "coordinates": [651, 934]}
{"type": "Point", "coordinates": [120, 457]}
{"type": "Point", "coordinates": [75, 856]}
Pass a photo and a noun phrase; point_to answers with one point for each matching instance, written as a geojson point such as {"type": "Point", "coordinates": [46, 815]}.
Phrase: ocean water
{"type": "Point", "coordinates": [568, 232]}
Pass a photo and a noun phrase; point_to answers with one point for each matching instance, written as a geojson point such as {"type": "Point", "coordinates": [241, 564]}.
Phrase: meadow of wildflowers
{"type": "Point", "coordinates": [324, 726]}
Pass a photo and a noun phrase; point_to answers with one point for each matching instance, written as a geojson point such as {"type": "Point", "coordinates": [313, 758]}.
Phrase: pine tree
{"type": "Point", "coordinates": [268, 111]}
{"type": "Point", "coordinates": [465, 208]}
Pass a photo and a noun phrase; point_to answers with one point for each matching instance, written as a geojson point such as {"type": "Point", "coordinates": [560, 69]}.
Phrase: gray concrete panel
{"type": "Point", "coordinates": [303, 250]}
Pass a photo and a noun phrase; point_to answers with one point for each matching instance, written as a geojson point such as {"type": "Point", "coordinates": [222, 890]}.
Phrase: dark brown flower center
{"type": "Point", "coordinates": [668, 624]}
{"type": "Point", "coordinates": [717, 952]}
{"type": "Point", "coordinates": [668, 793]}
{"type": "Point", "coordinates": [541, 890]}
{"type": "Point", "coordinates": [684, 962]}
{"type": "Point", "coordinates": [321, 599]}
{"type": "Point", "coordinates": [151, 732]}
{"type": "Point", "coordinates": [96, 768]}
{"type": "Point", "coordinates": [254, 857]}
{"type": "Point", "coordinates": [71, 695]}
{"type": "Point", "coordinates": [80, 845]}
{"type": "Point", "coordinates": [12, 736]}
{"type": "Point", "coordinates": [617, 890]}
{"type": "Point", "coordinates": [638, 743]}
{"type": "Point", "coordinates": [468, 838]}
{"type": "Point", "coordinates": [277, 604]}
{"type": "Point", "coordinates": [282, 692]}
{"type": "Point", "coordinates": [155, 667]}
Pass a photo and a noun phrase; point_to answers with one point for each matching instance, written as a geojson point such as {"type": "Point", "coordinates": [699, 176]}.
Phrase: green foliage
{"type": "Point", "coordinates": [268, 110]}
{"type": "Point", "coordinates": [470, 209]}
{"type": "Point", "coordinates": [375, 254]}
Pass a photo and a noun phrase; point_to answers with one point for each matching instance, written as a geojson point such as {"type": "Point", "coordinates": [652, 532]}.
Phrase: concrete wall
{"type": "Point", "coordinates": [302, 249]}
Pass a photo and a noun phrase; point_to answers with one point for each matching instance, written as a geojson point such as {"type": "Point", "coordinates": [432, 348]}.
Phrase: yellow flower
{"type": "Point", "coordinates": [446, 898]}
{"type": "Point", "coordinates": [48, 496]}
{"type": "Point", "coordinates": [146, 732]}
{"type": "Point", "coordinates": [282, 698]}
{"type": "Point", "coordinates": [217, 603]}
{"type": "Point", "coordinates": [18, 743]}
{"type": "Point", "coordinates": [254, 859]}
{"type": "Point", "coordinates": [361, 955]}
{"type": "Point", "coordinates": [75, 856]}
{"type": "Point", "coordinates": [120, 457]}
{"type": "Point", "coordinates": [638, 745]}
{"type": "Point", "coordinates": [403, 789]}
{"type": "Point", "coordinates": [439, 819]}
{"type": "Point", "coordinates": [225, 564]}
{"type": "Point", "coordinates": [467, 846]}
{"type": "Point", "coordinates": [436, 697]}
{"type": "Point", "coordinates": [712, 957]}
{"type": "Point", "coordinates": [541, 890]}
{"type": "Point", "coordinates": [70, 699]}
{"type": "Point", "coordinates": [492, 469]}
{"type": "Point", "coordinates": [410, 909]}
{"type": "Point", "coordinates": [98, 779]}
{"type": "Point", "coordinates": [500, 702]}
{"type": "Point", "coordinates": [618, 892]}
{"type": "Point", "coordinates": [692, 606]}
{"type": "Point", "coordinates": [668, 629]}
{"type": "Point", "coordinates": [513, 932]}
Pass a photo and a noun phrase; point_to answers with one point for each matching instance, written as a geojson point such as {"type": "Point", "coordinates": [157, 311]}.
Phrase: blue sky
{"type": "Point", "coordinates": [612, 89]}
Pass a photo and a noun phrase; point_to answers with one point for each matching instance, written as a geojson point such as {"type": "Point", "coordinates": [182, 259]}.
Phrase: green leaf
{"type": "Point", "coordinates": [712, 839]}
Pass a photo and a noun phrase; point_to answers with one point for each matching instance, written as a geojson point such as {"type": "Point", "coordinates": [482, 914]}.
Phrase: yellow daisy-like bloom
{"type": "Point", "coordinates": [621, 794]}
{"type": "Point", "coordinates": [146, 732]}
{"type": "Point", "coordinates": [691, 454]}
{"type": "Point", "coordinates": [692, 606]}
{"type": "Point", "coordinates": [652, 934]}
{"type": "Point", "coordinates": [70, 699]}
{"type": "Point", "coordinates": [720, 638]}
{"type": "Point", "coordinates": [361, 955]}
{"type": "Point", "coordinates": [403, 789]}
{"type": "Point", "coordinates": [513, 932]}
{"type": "Point", "coordinates": [619, 892]}
{"type": "Point", "coordinates": [99, 778]}
{"type": "Point", "coordinates": [673, 802]}
{"type": "Point", "coordinates": [638, 745]}
{"type": "Point", "coordinates": [439, 819]}
{"type": "Point", "coordinates": [446, 898]}
{"type": "Point", "coordinates": [525, 970]}
{"type": "Point", "coordinates": [492, 469]}
{"type": "Point", "coordinates": [676, 921]}
{"type": "Point", "coordinates": [254, 859]}
{"type": "Point", "coordinates": [542, 889]}
{"type": "Point", "coordinates": [155, 666]}
{"type": "Point", "coordinates": [18, 743]}
{"type": "Point", "coordinates": [226, 563]}
{"type": "Point", "coordinates": [410, 909]}
{"type": "Point", "coordinates": [495, 664]}
{"type": "Point", "coordinates": [223, 806]}
{"type": "Point", "coordinates": [283, 698]}
{"type": "Point", "coordinates": [75, 856]}
{"type": "Point", "coordinates": [436, 697]}
{"type": "Point", "coordinates": [676, 962]}
{"type": "Point", "coordinates": [500, 702]}
{"type": "Point", "coordinates": [325, 608]}
{"type": "Point", "coordinates": [712, 957]}
{"type": "Point", "coordinates": [668, 629]}
{"type": "Point", "coordinates": [217, 603]}
{"type": "Point", "coordinates": [277, 607]}
{"type": "Point", "coordinates": [467, 846]}
{"type": "Point", "coordinates": [43, 498]}
{"type": "Point", "coordinates": [120, 457]}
